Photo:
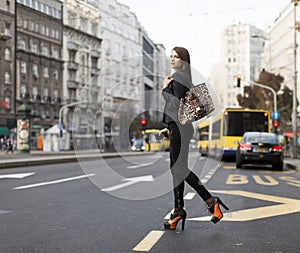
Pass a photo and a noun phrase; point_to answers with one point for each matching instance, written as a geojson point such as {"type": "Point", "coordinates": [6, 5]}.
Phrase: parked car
{"type": "Point", "coordinates": [138, 145]}
{"type": "Point", "coordinates": [260, 148]}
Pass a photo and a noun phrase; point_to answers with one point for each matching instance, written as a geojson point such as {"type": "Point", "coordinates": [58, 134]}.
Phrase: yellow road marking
{"type": "Point", "coordinates": [286, 206]}
{"type": "Point", "coordinates": [149, 241]}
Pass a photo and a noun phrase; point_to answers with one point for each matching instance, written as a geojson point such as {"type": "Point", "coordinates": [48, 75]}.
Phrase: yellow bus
{"type": "Point", "coordinates": [203, 130]}
{"type": "Point", "coordinates": [152, 144]}
{"type": "Point", "coordinates": [227, 128]}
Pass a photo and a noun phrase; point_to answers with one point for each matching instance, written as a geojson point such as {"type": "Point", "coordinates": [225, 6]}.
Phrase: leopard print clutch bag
{"type": "Point", "coordinates": [196, 104]}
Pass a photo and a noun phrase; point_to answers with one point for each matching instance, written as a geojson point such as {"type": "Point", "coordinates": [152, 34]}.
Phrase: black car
{"type": "Point", "coordinates": [260, 148]}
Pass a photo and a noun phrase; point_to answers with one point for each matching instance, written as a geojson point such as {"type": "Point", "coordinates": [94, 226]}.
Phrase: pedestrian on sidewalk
{"type": "Point", "coordinates": [174, 88]}
{"type": "Point", "coordinates": [10, 146]}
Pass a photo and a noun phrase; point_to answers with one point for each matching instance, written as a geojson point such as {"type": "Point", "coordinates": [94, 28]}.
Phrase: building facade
{"type": "Point", "coordinates": [7, 51]}
{"type": "Point", "coordinates": [278, 55]}
{"type": "Point", "coordinates": [39, 62]}
{"type": "Point", "coordinates": [241, 48]}
{"type": "Point", "coordinates": [81, 75]}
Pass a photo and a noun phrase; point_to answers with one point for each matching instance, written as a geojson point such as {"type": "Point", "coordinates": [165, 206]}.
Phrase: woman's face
{"type": "Point", "coordinates": [175, 61]}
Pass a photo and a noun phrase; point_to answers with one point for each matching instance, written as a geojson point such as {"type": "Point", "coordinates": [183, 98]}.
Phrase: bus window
{"type": "Point", "coordinates": [241, 122]}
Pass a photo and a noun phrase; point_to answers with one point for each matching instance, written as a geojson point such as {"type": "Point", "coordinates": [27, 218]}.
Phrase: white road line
{"type": "Point", "coordinates": [189, 196]}
{"type": "Point", "coordinates": [3, 212]}
{"type": "Point", "coordinates": [139, 165]}
{"type": "Point", "coordinates": [54, 182]}
{"type": "Point", "coordinates": [149, 241]}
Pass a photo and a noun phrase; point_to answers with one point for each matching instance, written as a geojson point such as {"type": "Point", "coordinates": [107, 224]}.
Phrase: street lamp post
{"type": "Point", "coordinates": [294, 114]}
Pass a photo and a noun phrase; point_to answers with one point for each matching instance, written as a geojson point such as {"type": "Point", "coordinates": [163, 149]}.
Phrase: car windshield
{"type": "Point", "coordinates": [260, 138]}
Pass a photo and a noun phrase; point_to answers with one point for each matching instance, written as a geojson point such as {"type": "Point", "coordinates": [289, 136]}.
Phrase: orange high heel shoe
{"type": "Point", "coordinates": [215, 210]}
{"type": "Point", "coordinates": [178, 215]}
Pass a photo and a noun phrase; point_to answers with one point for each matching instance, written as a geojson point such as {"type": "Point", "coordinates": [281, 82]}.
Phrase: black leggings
{"type": "Point", "coordinates": [179, 151]}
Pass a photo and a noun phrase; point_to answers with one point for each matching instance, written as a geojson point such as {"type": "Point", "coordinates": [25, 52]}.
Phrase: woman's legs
{"type": "Point", "coordinates": [179, 149]}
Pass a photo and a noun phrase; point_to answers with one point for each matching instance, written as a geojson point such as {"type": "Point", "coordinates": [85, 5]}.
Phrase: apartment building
{"type": "Point", "coordinates": [81, 53]}
{"type": "Point", "coordinates": [39, 61]}
{"type": "Point", "coordinates": [279, 44]}
{"type": "Point", "coordinates": [7, 31]}
{"type": "Point", "coordinates": [241, 48]}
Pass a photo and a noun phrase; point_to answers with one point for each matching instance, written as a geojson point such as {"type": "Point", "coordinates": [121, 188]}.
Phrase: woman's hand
{"type": "Point", "coordinates": [165, 132]}
{"type": "Point", "coordinates": [167, 81]}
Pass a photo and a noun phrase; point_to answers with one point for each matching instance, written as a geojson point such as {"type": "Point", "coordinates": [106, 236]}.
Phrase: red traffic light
{"type": "Point", "coordinates": [143, 122]}
{"type": "Point", "coordinates": [238, 80]}
{"type": "Point", "coordinates": [275, 124]}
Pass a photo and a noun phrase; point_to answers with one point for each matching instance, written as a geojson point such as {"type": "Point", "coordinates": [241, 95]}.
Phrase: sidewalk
{"type": "Point", "coordinates": [35, 157]}
{"type": "Point", "coordinates": [292, 163]}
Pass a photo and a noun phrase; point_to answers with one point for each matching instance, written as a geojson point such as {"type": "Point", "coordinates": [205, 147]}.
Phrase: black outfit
{"type": "Point", "coordinates": [180, 136]}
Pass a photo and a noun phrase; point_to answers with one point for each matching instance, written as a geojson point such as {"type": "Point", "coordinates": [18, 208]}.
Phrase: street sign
{"type": "Point", "coordinates": [60, 127]}
{"type": "Point", "coordinates": [275, 115]}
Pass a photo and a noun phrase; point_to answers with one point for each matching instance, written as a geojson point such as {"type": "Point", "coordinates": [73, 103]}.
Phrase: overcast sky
{"type": "Point", "coordinates": [198, 24]}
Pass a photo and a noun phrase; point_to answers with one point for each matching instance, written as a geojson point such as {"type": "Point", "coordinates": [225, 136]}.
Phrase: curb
{"type": "Point", "coordinates": [292, 166]}
{"type": "Point", "coordinates": [31, 161]}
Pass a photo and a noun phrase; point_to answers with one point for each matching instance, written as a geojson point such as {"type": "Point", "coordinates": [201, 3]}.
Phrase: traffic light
{"type": "Point", "coordinates": [143, 122]}
{"type": "Point", "coordinates": [238, 80]}
{"type": "Point", "coordinates": [275, 124]}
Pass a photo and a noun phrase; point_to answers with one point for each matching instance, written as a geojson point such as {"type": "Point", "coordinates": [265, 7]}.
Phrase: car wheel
{"type": "Point", "coordinates": [238, 165]}
{"type": "Point", "coordinates": [278, 166]}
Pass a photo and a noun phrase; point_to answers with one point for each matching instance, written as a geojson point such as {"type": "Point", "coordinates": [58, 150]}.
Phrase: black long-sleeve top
{"type": "Point", "coordinates": [172, 94]}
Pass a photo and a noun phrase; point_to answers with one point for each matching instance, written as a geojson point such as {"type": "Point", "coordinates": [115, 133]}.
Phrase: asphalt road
{"type": "Point", "coordinates": [119, 205]}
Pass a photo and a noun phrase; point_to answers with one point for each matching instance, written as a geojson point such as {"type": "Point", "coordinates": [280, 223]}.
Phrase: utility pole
{"type": "Point", "coordinates": [294, 114]}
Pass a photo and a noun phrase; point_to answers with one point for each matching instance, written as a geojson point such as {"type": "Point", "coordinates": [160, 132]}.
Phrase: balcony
{"type": "Point", "coordinates": [72, 45]}
{"type": "Point", "coordinates": [73, 65]}
{"type": "Point", "coordinates": [95, 53]}
{"type": "Point", "coordinates": [71, 84]}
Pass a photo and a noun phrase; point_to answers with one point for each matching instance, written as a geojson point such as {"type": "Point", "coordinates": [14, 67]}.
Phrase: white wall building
{"type": "Point", "coordinates": [241, 47]}
{"type": "Point", "coordinates": [81, 54]}
{"type": "Point", "coordinates": [278, 54]}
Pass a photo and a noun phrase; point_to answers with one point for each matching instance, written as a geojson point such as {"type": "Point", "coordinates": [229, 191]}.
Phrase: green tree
{"type": "Point", "coordinates": [260, 98]}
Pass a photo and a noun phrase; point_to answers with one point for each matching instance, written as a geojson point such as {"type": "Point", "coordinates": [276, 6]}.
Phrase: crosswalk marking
{"type": "Point", "coordinates": [149, 241]}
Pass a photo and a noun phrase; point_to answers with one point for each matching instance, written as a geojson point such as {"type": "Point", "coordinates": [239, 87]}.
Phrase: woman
{"type": "Point", "coordinates": [174, 88]}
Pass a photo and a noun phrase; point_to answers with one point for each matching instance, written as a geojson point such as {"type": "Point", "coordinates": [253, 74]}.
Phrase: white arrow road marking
{"type": "Point", "coordinates": [287, 206]}
{"type": "Point", "coordinates": [130, 181]}
{"type": "Point", "coordinates": [18, 175]}
{"type": "Point", "coordinates": [3, 212]}
{"type": "Point", "coordinates": [139, 165]}
{"type": "Point", "coordinates": [54, 182]}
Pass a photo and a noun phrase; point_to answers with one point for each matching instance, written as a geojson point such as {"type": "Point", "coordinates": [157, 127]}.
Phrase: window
{"type": "Point", "coordinates": [46, 72]}
{"type": "Point", "coordinates": [7, 6]}
{"type": "Point", "coordinates": [36, 6]}
{"type": "Point", "coordinates": [7, 54]}
{"type": "Point", "coordinates": [23, 91]}
{"type": "Point", "coordinates": [7, 29]}
{"type": "Point", "coordinates": [47, 31]}
{"type": "Point", "coordinates": [56, 34]}
{"type": "Point", "coordinates": [42, 7]}
{"type": "Point", "coordinates": [35, 93]}
{"type": "Point", "coordinates": [21, 44]}
{"type": "Point", "coordinates": [25, 23]}
{"type": "Point", "coordinates": [55, 75]}
{"type": "Point", "coordinates": [32, 26]}
{"type": "Point", "coordinates": [23, 67]}
{"type": "Point", "coordinates": [35, 70]}
{"type": "Point", "coordinates": [7, 78]}
{"type": "Point", "coordinates": [7, 101]}
{"type": "Point", "coordinates": [47, 9]}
